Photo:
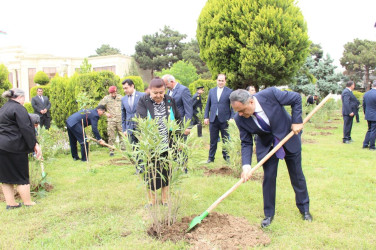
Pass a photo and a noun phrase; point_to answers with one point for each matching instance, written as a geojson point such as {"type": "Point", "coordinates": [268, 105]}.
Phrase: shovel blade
{"type": "Point", "coordinates": [197, 220]}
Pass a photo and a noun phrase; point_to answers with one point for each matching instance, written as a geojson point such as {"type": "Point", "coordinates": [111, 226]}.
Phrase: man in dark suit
{"type": "Point", "coordinates": [312, 99]}
{"type": "Point", "coordinates": [76, 131]}
{"type": "Point", "coordinates": [263, 114]}
{"type": "Point", "coordinates": [369, 108]}
{"type": "Point", "coordinates": [349, 109]}
{"type": "Point", "coordinates": [129, 107]}
{"type": "Point", "coordinates": [41, 106]}
{"type": "Point", "coordinates": [181, 96]}
{"type": "Point", "coordinates": [218, 111]}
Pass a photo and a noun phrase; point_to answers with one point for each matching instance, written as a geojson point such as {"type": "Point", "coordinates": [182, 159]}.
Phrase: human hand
{"type": "Point", "coordinates": [246, 174]}
{"type": "Point", "coordinates": [351, 114]}
{"type": "Point", "coordinates": [125, 133]}
{"type": "Point", "coordinates": [108, 115]}
{"type": "Point", "coordinates": [296, 127]}
{"type": "Point", "coordinates": [187, 131]}
{"type": "Point", "coordinates": [206, 121]}
{"type": "Point", "coordinates": [101, 142]}
{"type": "Point", "coordinates": [38, 151]}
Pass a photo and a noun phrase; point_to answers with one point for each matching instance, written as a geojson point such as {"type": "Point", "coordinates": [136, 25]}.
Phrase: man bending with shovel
{"type": "Point", "coordinates": [263, 114]}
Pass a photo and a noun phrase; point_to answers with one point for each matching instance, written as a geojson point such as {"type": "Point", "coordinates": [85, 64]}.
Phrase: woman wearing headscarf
{"type": "Point", "coordinates": [17, 140]}
{"type": "Point", "coordinates": [160, 107]}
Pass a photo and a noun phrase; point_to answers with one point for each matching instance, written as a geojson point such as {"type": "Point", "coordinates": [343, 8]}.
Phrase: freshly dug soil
{"type": "Point", "coordinates": [326, 128]}
{"type": "Point", "coordinates": [226, 171]}
{"type": "Point", "coordinates": [216, 231]}
{"type": "Point", "coordinates": [120, 161]}
{"type": "Point", "coordinates": [308, 141]}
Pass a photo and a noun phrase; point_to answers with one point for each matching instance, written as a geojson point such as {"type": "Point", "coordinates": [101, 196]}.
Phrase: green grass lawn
{"type": "Point", "coordinates": [102, 206]}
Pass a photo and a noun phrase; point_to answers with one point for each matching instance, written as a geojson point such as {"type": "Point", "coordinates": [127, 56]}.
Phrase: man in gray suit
{"type": "Point", "coordinates": [41, 105]}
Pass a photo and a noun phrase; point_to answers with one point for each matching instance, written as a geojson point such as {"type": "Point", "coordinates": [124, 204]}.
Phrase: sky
{"type": "Point", "coordinates": [77, 28]}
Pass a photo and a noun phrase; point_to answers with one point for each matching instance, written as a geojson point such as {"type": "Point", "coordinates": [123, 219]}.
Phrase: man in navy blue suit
{"type": "Point", "coordinates": [369, 108]}
{"type": "Point", "coordinates": [263, 114]}
{"type": "Point", "coordinates": [76, 132]}
{"type": "Point", "coordinates": [129, 107]}
{"type": "Point", "coordinates": [218, 111]}
{"type": "Point", "coordinates": [349, 109]}
{"type": "Point", "coordinates": [182, 97]}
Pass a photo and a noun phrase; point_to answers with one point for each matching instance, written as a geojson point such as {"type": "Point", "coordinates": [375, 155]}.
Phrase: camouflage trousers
{"type": "Point", "coordinates": [113, 129]}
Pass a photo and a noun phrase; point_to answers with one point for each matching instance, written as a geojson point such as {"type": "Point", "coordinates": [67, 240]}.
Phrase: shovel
{"type": "Point", "coordinates": [104, 144]}
{"type": "Point", "coordinates": [198, 219]}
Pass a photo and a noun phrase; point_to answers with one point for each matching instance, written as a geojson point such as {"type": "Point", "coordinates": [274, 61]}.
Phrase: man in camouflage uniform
{"type": "Point", "coordinates": [112, 102]}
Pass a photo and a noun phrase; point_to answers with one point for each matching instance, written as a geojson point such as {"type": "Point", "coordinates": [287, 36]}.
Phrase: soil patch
{"type": "Point", "coordinates": [226, 171]}
{"type": "Point", "coordinates": [320, 133]}
{"type": "Point", "coordinates": [308, 141]}
{"type": "Point", "coordinates": [120, 161]}
{"type": "Point", "coordinates": [326, 128]}
{"type": "Point", "coordinates": [216, 231]}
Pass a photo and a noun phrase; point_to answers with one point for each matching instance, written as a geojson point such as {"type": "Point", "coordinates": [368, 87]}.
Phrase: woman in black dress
{"type": "Point", "coordinates": [17, 140]}
{"type": "Point", "coordinates": [158, 106]}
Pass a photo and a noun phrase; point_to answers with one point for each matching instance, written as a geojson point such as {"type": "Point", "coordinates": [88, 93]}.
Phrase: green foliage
{"type": "Point", "coordinates": [63, 101]}
{"type": "Point", "coordinates": [151, 151]}
{"type": "Point", "coordinates": [41, 78]}
{"type": "Point", "coordinates": [258, 42]}
{"type": "Point", "coordinates": [358, 95]}
{"type": "Point", "coordinates": [159, 50]}
{"type": "Point", "coordinates": [182, 70]}
{"type": "Point", "coordinates": [4, 83]}
{"type": "Point", "coordinates": [53, 142]}
{"type": "Point", "coordinates": [208, 84]}
{"type": "Point", "coordinates": [359, 59]}
{"type": "Point", "coordinates": [106, 50]}
{"type": "Point", "coordinates": [85, 67]}
{"type": "Point", "coordinates": [233, 148]}
{"type": "Point", "coordinates": [29, 107]}
{"type": "Point", "coordinates": [46, 90]}
{"type": "Point", "coordinates": [138, 82]}
{"type": "Point", "coordinates": [191, 54]}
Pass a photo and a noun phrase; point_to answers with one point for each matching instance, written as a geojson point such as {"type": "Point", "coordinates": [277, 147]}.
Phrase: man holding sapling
{"type": "Point", "coordinates": [263, 114]}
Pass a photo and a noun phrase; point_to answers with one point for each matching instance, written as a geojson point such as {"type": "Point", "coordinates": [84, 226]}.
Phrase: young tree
{"type": "Point", "coordinates": [41, 78]}
{"type": "Point", "coordinates": [255, 42]}
{"type": "Point", "coordinates": [85, 67]}
{"type": "Point", "coordinates": [359, 59]}
{"type": "Point", "coordinates": [159, 50]}
{"type": "Point", "coordinates": [106, 50]}
{"type": "Point", "coordinates": [191, 54]}
{"type": "Point", "coordinates": [183, 71]}
{"type": "Point", "coordinates": [4, 82]}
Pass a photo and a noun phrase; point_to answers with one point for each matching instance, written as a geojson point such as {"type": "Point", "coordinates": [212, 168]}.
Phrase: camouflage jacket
{"type": "Point", "coordinates": [113, 107]}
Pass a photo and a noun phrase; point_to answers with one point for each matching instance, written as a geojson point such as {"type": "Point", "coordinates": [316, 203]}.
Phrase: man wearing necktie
{"type": "Point", "coordinates": [217, 112]}
{"type": "Point", "coordinates": [41, 105]}
{"type": "Point", "coordinates": [263, 114]}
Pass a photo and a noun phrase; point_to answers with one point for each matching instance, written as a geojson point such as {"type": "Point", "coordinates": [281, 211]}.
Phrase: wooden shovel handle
{"type": "Point", "coordinates": [104, 144]}
{"type": "Point", "coordinates": [263, 160]}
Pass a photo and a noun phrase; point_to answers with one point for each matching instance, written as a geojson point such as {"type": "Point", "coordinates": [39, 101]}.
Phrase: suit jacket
{"type": "Point", "coordinates": [369, 105]}
{"type": "Point", "coordinates": [17, 133]}
{"type": "Point", "coordinates": [272, 101]}
{"type": "Point", "coordinates": [183, 100]}
{"type": "Point", "coordinates": [349, 102]}
{"type": "Point", "coordinates": [89, 117]}
{"type": "Point", "coordinates": [223, 106]}
{"type": "Point", "coordinates": [127, 113]}
{"type": "Point", "coordinates": [38, 105]}
{"type": "Point", "coordinates": [196, 103]}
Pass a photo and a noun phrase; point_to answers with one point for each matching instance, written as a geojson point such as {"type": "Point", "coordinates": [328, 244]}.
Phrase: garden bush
{"type": "Point", "coordinates": [29, 107]}
{"type": "Point", "coordinates": [46, 90]}
{"type": "Point", "coordinates": [41, 78]}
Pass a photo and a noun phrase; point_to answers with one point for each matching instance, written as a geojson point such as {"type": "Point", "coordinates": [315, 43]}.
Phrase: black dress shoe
{"type": "Point", "coordinates": [76, 158]}
{"type": "Point", "coordinates": [266, 221]}
{"type": "Point", "coordinates": [307, 216]}
{"type": "Point", "coordinates": [209, 161]}
{"type": "Point", "coordinates": [346, 142]}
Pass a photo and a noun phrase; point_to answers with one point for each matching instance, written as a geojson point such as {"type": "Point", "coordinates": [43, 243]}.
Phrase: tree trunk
{"type": "Point", "coordinates": [152, 74]}
{"type": "Point", "coordinates": [366, 85]}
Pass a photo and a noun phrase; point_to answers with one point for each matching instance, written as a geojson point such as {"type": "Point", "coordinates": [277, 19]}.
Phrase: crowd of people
{"type": "Point", "coordinates": [259, 116]}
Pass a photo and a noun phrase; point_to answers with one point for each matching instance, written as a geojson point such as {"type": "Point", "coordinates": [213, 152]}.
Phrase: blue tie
{"type": "Point", "coordinates": [280, 152]}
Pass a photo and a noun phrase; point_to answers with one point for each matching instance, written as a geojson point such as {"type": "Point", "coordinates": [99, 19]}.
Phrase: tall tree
{"type": "Point", "coordinates": [159, 50]}
{"type": "Point", "coordinates": [106, 50]}
{"type": "Point", "coordinates": [259, 42]}
{"type": "Point", "coordinates": [183, 71]}
{"type": "Point", "coordinates": [85, 66]}
{"type": "Point", "coordinates": [191, 54]}
{"type": "Point", "coordinates": [359, 59]}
